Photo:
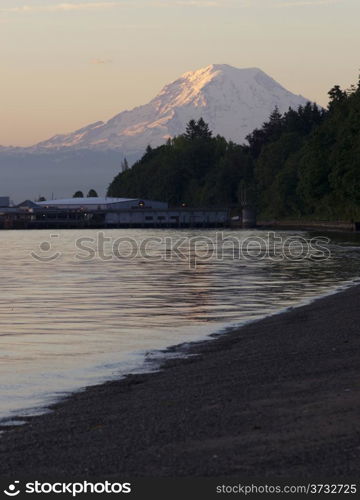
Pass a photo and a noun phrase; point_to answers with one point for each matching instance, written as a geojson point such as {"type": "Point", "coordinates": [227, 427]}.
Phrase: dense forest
{"type": "Point", "coordinates": [304, 163]}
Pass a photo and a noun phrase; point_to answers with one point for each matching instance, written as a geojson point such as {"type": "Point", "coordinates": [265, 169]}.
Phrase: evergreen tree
{"type": "Point", "coordinates": [78, 194]}
{"type": "Point", "coordinates": [197, 130]}
{"type": "Point", "coordinates": [92, 194]}
{"type": "Point", "coordinates": [336, 95]}
{"type": "Point", "coordinates": [124, 165]}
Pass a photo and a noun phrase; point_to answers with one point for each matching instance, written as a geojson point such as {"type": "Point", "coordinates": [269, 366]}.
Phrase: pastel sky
{"type": "Point", "coordinates": [65, 64]}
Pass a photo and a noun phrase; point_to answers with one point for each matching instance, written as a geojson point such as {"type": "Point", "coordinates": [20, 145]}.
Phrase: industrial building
{"type": "Point", "coordinates": [4, 201]}
{"type": "Point", "coordinates": [108, 213]}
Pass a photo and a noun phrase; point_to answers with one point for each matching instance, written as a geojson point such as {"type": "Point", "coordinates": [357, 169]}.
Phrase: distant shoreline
{"type": "Point", "coordinates": [275, 398]}
{"type": "Point", "coordinates": [287, 225]}
{"type": "Point", "coordinates": [310, 225]}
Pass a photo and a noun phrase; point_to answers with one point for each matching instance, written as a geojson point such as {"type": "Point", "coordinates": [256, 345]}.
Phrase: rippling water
{"type": "Point", "coordinates": [73, 321]}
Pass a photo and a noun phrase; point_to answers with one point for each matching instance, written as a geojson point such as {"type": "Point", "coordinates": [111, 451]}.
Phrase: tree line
{"type": "Point", "coordinates": [78, 194]}
{"type": "Point", "coordinates": [302, 163]}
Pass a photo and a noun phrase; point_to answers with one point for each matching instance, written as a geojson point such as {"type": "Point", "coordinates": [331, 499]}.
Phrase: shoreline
{"type": "Point", "coordinates": [310, 225]}
{"type": "Point", "coordinates": [276, 225]}
{"type": "Point", "coordinates": [245, 402]}
{"type": "Point", "coordinates": [153, 359]}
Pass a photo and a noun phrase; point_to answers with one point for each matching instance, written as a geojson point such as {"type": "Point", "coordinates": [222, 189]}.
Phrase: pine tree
{"type": "Point", "coordinates": [336, 95]}
{"type": "Point", "coordinates": [124, 165]}
{"type": "Point", "coordinates": [78, 194]}
{"type": "Point", "coordinates": [197, 130]}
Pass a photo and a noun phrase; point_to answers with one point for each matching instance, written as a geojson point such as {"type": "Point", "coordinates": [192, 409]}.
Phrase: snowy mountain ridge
{"type": "Point", "coordinates": [232, 101]}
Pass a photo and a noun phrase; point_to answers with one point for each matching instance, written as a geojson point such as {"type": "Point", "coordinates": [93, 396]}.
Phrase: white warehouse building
{"type": "Point", "coordinates": [114, 213]}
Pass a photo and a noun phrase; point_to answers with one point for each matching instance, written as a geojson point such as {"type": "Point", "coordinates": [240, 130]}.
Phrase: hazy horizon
{"type": "Point", "coordinates": [66, 65]}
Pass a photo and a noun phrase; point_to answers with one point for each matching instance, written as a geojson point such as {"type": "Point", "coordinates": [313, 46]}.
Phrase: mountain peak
{"type": "Point", "coordinates": [203, 76]}
{"type": "Point", "coordinates": [214, 69]}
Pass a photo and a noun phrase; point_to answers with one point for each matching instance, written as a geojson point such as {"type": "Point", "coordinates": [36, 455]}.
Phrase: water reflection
{"type": "Point", "coordinates": [71, 323]}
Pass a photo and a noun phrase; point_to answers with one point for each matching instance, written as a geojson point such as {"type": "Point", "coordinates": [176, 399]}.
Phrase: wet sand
{"type": "Point", "coordinates": [278, 398]}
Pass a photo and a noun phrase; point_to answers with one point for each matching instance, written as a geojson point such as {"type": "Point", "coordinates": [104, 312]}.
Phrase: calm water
{"type": "Point", "coordinates": [73, 321]}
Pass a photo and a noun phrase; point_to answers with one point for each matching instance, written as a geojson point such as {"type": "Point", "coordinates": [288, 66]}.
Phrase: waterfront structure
{"type": "Point", "coordinates": [4, 201]}
{"type": "Point", "coordinates": [171, 217]}
{"type": "Point", "coordinates": [108, 213]}
{"type": "Point", "coordinates": [248, 217]}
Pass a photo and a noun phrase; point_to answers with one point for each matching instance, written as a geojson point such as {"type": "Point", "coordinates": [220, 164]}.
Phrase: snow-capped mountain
{"type": "Point", "coordinates": [232, 101]}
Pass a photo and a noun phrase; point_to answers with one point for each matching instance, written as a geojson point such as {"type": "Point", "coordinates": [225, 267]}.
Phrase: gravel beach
{"type": "Point", "coordinates": [276, 398]}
